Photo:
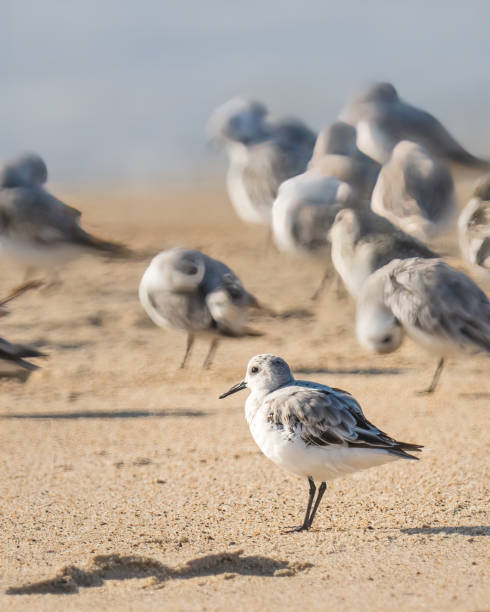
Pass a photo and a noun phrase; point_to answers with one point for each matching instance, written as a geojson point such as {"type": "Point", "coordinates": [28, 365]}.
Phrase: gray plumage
{"type": "Point", "coordinates": [17, 353]}
{"type": "Point", "coordinates": [186, 290]}
{"type": "Point", "coordinates": [35, 227]}
{"type": "Point", "coordinates": [264, 151]}
{"type": "Point", "coordinates": [439, 307]}
{"type": "Point", "coordinates": [336, 154]}
{"type": "Point", "coordinates": [474, 228]}
{"type": "Point", "coordinates": [415, 191]}
{"type": "Point", "coordinates": [382, 120]}
{"type": "Point", "coordinates": [362, 242]}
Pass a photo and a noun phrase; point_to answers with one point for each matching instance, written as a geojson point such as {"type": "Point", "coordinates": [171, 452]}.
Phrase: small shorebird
{"type": "Point", "coordinates": [263, 150]}
{"type": "Point", "coordinates": [336, 154]}
{"type": "Point", "coordinates": [362, 242]}
{"type": "Point", "coordinates": [474, 229]}
{"type": "Point", "coordinates": [439, 307]}
{"type": "Point", "coordinates": [186, 290]}
{"type": "Point", "coordinates": [310, 429]}
{"type": "Point", "coordinates": [415, 191]}
{"type": "Point", "coordinates": [382, 120]}
{"type": "Point", "coordinates": [37, 229]}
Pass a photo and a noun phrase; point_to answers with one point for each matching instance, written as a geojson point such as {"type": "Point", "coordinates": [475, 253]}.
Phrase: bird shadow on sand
{"type": "Point", "coordinates": [356, 371]}
{"type": "Point", "coordinates": [104, 414]}
{"type": "Point", "coordinates": [467, 530]}
{"type": "Point", "coordinates": [71, 578]}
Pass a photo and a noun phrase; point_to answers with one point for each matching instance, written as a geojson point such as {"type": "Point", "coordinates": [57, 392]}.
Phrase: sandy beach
{"type": "Point", "coordinates": [127, 485]}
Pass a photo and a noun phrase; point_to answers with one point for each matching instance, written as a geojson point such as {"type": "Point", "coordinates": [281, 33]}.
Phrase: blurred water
{"type": "Point", "coordinates": [117, 90]}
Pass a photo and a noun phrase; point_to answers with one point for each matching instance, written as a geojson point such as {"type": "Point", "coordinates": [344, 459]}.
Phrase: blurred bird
{"type": "Point", "coordinates": [382, 120]}
{"type": "Point", "coordinates": [263, 152]}
{"type": "Point", "coordinates": [304, 211]}
{"type": "Point", "coordinates": [362, 242]}
{"type": "Point", "coordinates": [336, 154]}
{"type": "Point", "coordinates": [16, 354]}
{"type": "Point", "coordinates": [439, 307]}
{"type": "Point", "coordinates": [37, 229]}
{"type": "Point", "coordinates": [415, 191]}
{"type": "Point", "coordinates": [312, 430]}
{"type": "Point", "coordinates": [186, 290]}
{"type": "Point", "coordinates": [474, 228]}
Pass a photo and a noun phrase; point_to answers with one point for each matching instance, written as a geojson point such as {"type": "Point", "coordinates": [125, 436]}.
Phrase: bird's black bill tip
{"type": "Point", "coordinates": [234, 389]}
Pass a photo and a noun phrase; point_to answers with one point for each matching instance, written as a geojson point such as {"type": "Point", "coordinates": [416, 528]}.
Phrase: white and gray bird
{"type": "Point", "coordinates": [312, 430]}
{"type": "Point", "coordinates": [415, 191]}
{"type": "Point", "coordinates": [186, 290]}
{"type": "Point", "coordinates": [263, 150]}
{"type": "Point", "coordinates": [382, 120]}
{"type": "Point", "coordinates": [474, 229]}
{"type": "Point", "coordinates": [439, 307]}
{"type": "Point", "coordinates": [362, 242]}
{"type": "Point", "coordinates": [336, 154]}
{"type": "Point", "coordinates": [36, 229]}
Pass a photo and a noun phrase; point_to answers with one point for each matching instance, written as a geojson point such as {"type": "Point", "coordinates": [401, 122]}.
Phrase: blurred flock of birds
{"type": "Point", "coordinates": [365, 196]}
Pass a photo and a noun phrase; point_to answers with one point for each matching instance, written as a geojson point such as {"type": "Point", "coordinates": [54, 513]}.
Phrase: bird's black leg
{"type": "Point", "coordinates": [323, 282]}
{"type": "Point", "coordinates": [435, 379]}
{"type": "Point", "coordinates": [306, 522]}
{"type": "Point", "coordinates": [321, 490]}
{"type": "Point", "coordinates": [188, 348]}
{"type": "Point", "coordinates": [209, 357]}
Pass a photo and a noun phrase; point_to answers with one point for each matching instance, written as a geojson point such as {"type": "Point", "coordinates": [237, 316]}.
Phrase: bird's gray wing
{"type": "Point", "coordinates": [430, 295]}
{"type": "Point", "coordinates": [187, 310]}
{"type": "Point", "coordinates": [16, 353]}
{"type": "Point", "coordinates": [395, 245]}
{"type": "Point", "coordinates": [406, 122]}
{"type": "Point", "coordinates": [272, 162]}
{"type": "Point", "coordinates": [327, 416]}
{"type": "Point", "coordinates": [38, 216]}
{"type": "Point", "coordinates": [432, 192]}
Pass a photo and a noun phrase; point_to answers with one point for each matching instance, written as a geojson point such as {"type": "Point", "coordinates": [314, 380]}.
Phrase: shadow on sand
{"type": "Point", "coordinates": [468, 530]}
{"type": "Point", "coordinates": [104, 414]}
{"type": "Point", "coordinates": [119, 567]}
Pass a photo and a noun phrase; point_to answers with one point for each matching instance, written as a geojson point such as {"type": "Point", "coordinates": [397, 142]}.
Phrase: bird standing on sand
{"type": "Point", "coordinates": [362, 242]}
{"type": "Point", "coordinates": [474, 229]}
{"type": "Point", "coordinates": [187, 290]}
{"type": "Point", "coordinates": [312, 430]}
{"type": "Point", "coordinates": [439, 307]}
{"type": "Point", "coordinates": [382, 120]}
{"type": "Point", "coordinates": [336, 154]}
{"type": "Point", "coordinates": [415, 191]}
{"type": "Point", "coordinates": [36, 229]}
{"type": "Point", "coordinates": [264, 151]}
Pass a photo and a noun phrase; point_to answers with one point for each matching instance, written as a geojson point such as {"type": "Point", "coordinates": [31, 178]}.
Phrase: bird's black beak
{"type": "Point", "coordinates": [238, 387]}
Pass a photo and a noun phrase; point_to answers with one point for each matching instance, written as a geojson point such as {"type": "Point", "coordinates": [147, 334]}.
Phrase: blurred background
{"type": "Point", "coordinates": [116, 92]}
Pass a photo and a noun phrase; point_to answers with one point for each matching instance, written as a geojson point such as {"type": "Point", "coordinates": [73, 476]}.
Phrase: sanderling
{"type": "Point", "coordinates": [37, 229]}
{"type": "Point", "coordinates": [382, 119]}
{"type": "Point", "coordinates": [363, 242]}
{"type": "Point", "coordinates": [263, 151]}
{"type": "Point", "coordinates": [439, 307]}
{"type": "Point", "coordinates": [186, 290]}
{"type": "Point", "coordinates": [310, 429]}
{"type": "Point", "coordinates": [474, 229]}
{"type": "Point", "coordinates": [336, 154]}
{"type": "Point", "coordinates": [415, 191]}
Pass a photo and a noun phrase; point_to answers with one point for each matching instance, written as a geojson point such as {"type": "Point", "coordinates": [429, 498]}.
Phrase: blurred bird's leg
{"type": "Point", "coordinates": [321, 490]}
{"type": "Point", "coordinates": [28, 282]}
{"type": "Point", "coordinates": [435, 379]}
{"type": "Point", "coordinates": [188, 348]}
{"type": "Point", "coordinates": [209, 357]}
{"type": "Point", "coordinates": [327, 274]}
{"type": "Point", "coordinates": [307, 522]}
{"type": "Point", "coordinates": [340, 292]}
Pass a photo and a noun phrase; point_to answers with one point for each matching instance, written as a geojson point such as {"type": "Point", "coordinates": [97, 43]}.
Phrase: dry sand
{"type": "Point", "coordinates": [127, 485]}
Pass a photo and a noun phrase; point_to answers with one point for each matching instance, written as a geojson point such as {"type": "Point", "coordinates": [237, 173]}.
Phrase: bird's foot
{"type": "Point", "coordinates": [302, 527]}
{"type": "Point", "coordinates": [423, 392]}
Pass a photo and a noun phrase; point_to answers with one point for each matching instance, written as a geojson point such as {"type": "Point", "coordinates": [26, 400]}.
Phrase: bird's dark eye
{"type": "Point", "coordinates": [386, 339]}
{"type": "Point", "coordinates": [254, 370]}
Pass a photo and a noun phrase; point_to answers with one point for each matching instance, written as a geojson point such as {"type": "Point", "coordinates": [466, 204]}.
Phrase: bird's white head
{"type": "Point", "coordinates": [238, 120]}
{"type": "Point", "coordinates": [27, 169]}
{"type": "Point", "coordinates": [265, 373]}
{"type": "Point", "coordinates": [177, 269]}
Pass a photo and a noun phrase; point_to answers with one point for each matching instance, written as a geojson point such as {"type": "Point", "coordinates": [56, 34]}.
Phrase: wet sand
{"type": "Point", "coordinates": [127, 485]}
